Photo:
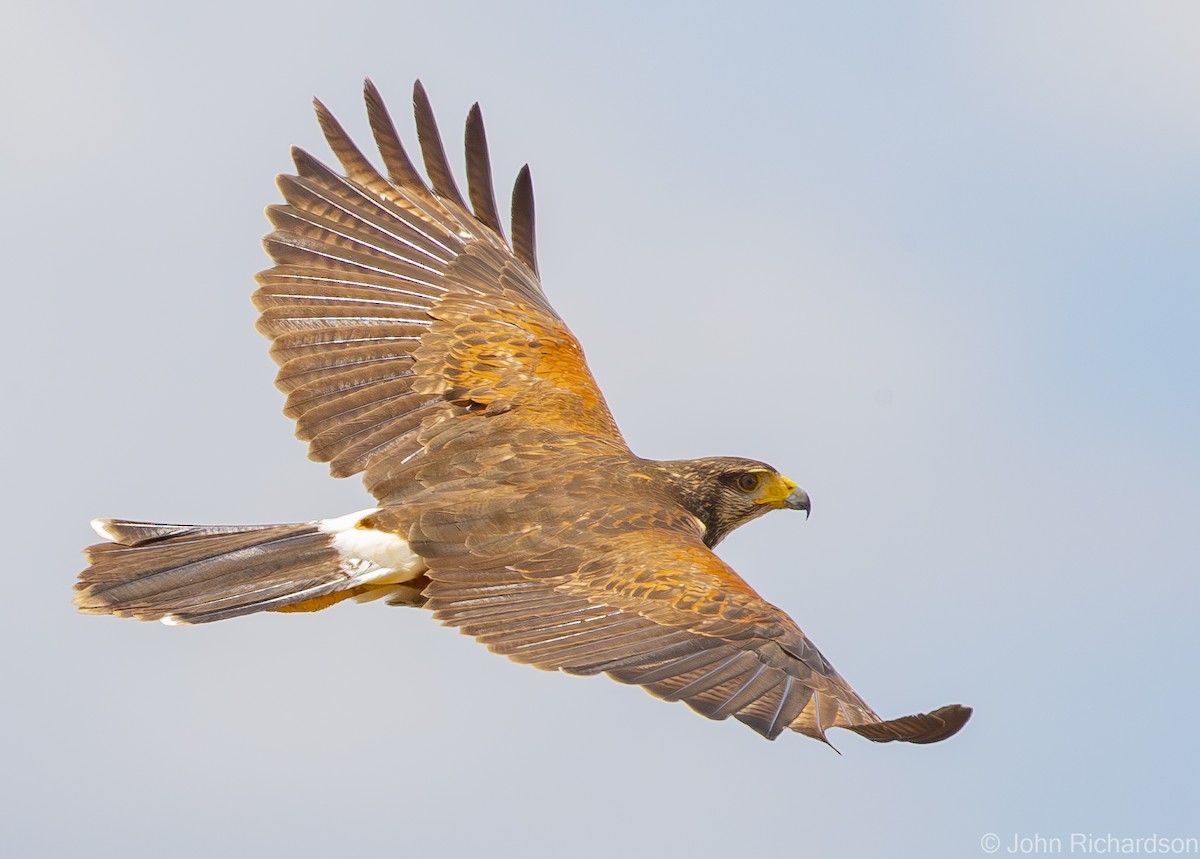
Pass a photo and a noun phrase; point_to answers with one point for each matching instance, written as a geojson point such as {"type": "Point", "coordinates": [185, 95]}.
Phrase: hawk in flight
{"type": "Point", "coordinates": [415, 345]}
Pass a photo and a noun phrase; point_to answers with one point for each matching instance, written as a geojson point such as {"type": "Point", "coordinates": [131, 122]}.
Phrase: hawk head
{"type": "Point", "coordinates": [724, 492]}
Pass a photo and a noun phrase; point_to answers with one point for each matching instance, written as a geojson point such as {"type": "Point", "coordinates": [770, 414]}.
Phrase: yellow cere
{"type": "Point", "coordinates": [776, 489]}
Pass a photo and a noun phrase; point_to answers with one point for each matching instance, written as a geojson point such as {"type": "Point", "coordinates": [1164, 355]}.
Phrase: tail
{"type": "Point", "coordinates": [197, 574]}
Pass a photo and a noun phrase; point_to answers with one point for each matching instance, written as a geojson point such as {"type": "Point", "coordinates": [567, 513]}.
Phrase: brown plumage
{"type": "Point", "coordinates": [415, 345]}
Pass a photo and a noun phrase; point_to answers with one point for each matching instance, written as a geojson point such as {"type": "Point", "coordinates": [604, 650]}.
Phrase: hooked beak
{"type": "Point", "coordinates": [799, 500]}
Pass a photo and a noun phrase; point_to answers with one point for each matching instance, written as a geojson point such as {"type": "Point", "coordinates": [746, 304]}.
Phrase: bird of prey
{"type": "Point", "coordinates": [416, 346]}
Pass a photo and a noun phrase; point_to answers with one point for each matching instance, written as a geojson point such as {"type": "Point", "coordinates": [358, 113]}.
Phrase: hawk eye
{"type": "Point", "coordinates": [749, 481]}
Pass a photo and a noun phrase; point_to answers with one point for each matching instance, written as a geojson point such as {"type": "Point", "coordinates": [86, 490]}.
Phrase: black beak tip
{"type": "Point", "coordinates": [799, 500]}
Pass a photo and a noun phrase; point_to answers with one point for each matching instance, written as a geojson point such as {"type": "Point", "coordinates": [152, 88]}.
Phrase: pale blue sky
{"type": "Point", "coordinates": [938, 262]}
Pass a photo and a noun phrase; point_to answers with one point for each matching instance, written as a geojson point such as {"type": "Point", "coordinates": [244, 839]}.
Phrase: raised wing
{"type": "Point", "coordinates": [631, 591]}
{"type": "Point", "coordinates": [395, 308]}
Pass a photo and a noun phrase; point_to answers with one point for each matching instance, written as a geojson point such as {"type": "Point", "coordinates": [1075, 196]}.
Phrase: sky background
{"type": "Point", "coordinates": [939, 262]}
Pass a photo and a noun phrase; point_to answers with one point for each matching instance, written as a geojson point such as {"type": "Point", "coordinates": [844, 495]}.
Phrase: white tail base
{"type": "Point", "coordinates": [388, 558]}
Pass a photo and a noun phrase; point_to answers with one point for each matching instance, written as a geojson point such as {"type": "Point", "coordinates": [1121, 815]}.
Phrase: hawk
{"type": "Point", "coordinates": [416, 347]}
